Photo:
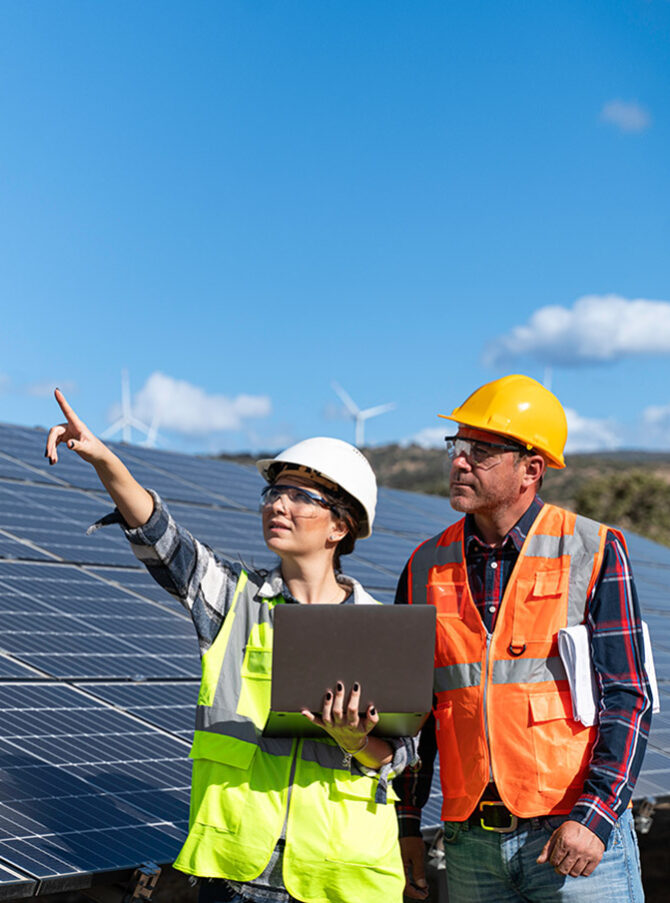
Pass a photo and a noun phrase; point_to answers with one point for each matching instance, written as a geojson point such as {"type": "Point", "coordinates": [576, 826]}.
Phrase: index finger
{"type": "Point", "coordinates": [70, 415]}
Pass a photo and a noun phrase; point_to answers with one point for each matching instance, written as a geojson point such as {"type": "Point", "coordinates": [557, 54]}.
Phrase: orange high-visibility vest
{"type": "Point", "coordinates": [503, 709]}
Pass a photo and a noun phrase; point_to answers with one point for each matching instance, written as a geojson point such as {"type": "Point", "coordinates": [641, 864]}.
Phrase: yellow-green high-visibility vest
{"type": "Point", "coordinates": [341, 846]}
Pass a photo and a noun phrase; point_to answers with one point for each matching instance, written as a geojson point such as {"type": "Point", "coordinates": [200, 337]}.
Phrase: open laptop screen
{"type": "Point", "coordinates": [387, 649]}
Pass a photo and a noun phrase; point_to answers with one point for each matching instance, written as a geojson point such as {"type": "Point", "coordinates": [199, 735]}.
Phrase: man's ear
{"type": "Point", "coordinates": [535, 468]}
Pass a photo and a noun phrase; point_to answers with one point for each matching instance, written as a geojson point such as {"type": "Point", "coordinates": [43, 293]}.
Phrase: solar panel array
{"type": "Point", "coordinates": [99, 667]}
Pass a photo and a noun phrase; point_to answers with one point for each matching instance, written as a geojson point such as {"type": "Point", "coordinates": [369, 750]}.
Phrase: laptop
{"type": "Point", "coordinates": [387, 649]}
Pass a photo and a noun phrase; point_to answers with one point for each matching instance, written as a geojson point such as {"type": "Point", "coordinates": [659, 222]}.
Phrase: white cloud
{"type": "Point", "coordinates": [656, 415]}
{"type": "Point", "coordinates": [430, 437]}
{"type": "Point", "coordinates": [189, 410]}
{"type": "Point", "coordinates": [46, 389]}
{"type": "Point", "coordinates": [656, 426]}
{"type": "Point", "coordinates": [586, 434]}
{"type": "Point", "coordinates": [628, 116]}
{"type": "Point", "coordinates": [599, 329]}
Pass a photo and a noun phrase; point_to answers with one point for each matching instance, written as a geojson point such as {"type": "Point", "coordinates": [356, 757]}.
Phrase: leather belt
{"type": "Point", "coordinates": [492, 815]}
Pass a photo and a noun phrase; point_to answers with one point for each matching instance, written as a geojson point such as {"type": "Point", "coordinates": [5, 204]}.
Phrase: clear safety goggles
{"type": "Point", "coordinates": [477, 452]}
{"type": "Point", "coordinates": [302, 502]}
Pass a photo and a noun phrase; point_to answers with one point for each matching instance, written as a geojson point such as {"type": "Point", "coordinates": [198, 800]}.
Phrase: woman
{"type": "Point", "coordinates": [272, 820]}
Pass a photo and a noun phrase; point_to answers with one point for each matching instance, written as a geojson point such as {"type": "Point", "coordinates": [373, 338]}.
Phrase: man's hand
{"type": "Point", "coordinates": [573, 850]}
{"type": "Point", "coordinates": [413, 852]}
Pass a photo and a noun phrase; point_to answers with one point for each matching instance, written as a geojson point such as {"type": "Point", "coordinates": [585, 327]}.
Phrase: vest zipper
{"type": "Point", "coordinates": [291, 776]}
{"type": "Point", "coordinates": [489, 637]}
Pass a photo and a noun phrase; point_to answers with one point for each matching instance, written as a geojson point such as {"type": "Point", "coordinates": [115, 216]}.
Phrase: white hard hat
{"type": "Point", "coordinates": [339, 462]}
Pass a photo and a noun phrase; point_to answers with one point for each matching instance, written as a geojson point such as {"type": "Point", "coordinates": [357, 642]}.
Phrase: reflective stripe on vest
{"type": "Point", "coordinates": [502, 701]}
{"type": "Point", "coordinates": [235, 691]}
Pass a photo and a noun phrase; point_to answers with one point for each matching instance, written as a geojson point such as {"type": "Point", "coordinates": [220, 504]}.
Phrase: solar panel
{"type": "Point", "coordinates": [170, 706]}
{"type": "Point", "coordinates": [21, 550]}
{"type": "Point", "coordinates": [14, 886]}
{"type": "Point", "coordinates": [10, 668]}
{"type": "Point", "coordinates": [26, 447]}
{"type": "Point", "coordinates": [398, 512]}
{"type": "Point", "coordinates": [99, 665]}
{"type": "Point", "coordinates": [223, 529]}
{"type": "Point", "coordinates": [435, 507]}
{"type": "Point", "coordinates": [387, 551]}
{"type": "Point", "coordinates": [68, 624]}
{"type": "Point", "coordinates": [373, 578]}
{"type": "Point", "coordinates": [167, 486]}
{"type": "Point", "coordinates": [55, 520]}
{"type": "Point", "coordinates": [384, 596]}
{"type": "Point", "coordinates": [137, 582]}
{"type": "Point", "coordinates": [85, 788]}
{"type": "Point", "coordinates": [221, 481]}
{"type": "Point", "coordinates": [12, 469]}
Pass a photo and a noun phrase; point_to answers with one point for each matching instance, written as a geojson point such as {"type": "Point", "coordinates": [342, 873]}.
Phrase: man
{"type": "Point", "coordinates": [535, 805]}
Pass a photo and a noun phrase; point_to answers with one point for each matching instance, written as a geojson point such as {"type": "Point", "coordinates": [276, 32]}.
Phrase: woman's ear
{"type": "Point", "coordinates": [338, 531]}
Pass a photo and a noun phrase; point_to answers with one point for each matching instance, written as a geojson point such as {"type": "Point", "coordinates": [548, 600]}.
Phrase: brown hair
{"type": "Point", "coordinates": [351, 513]}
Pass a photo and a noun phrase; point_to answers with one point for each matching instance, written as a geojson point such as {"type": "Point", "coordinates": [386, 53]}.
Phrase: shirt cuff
{"type": "Point", "coordinates": [593, 814]}
{"type": "Point", "coordinates": [404, 754]}
{"type": "Point", "coordinates": [409, 821]}
{"type": "Point", "coordinates": [150, 533]}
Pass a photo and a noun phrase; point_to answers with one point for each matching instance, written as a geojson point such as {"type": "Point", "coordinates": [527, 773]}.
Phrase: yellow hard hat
{"type": "Point", "coordinates": [521, 408]}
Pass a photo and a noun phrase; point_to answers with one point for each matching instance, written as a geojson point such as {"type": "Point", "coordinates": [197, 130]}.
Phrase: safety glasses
{"type": "Point", "coordinates": [477, 452]}
{"type": "Point", "coordinates": [302, 502]}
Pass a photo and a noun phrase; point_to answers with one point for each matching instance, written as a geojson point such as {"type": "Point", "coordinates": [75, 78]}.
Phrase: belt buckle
{"type": "Point", "coordinates": [513, 820]}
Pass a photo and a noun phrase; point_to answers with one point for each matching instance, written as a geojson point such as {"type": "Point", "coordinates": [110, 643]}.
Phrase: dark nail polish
{"type": "Point", "coordinates": [373, 711]}
{"type": "Point", "coordinates": [340, 686]}
{"type": "Point", "coordinates": [356, 688]}
{"type": "Point", "coordinates": [329, 696]}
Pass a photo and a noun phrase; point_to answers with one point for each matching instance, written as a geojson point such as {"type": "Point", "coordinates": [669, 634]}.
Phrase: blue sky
{"type": "Point", "coordinates": [241, 202]}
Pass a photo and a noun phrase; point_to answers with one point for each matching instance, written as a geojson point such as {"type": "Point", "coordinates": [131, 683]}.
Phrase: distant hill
{"type": "Point", "coordinates": [630, 489]}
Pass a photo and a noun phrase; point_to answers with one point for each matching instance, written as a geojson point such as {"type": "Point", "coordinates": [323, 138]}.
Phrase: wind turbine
{"type": "Point", "coordinates": [359, 417]}
{"type": "Point", "coordinates": [153, 433]}
{"type": "Point", "coordinates": [126, 421]}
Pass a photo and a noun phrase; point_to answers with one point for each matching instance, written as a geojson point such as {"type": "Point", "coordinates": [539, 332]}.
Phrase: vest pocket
{"type": "Point", "coordinates": [361, 832]}
{"type": "Point", "coordinates": [358, 787]}
{"type": "Point", "coordinates": [257, 662]}
{"type": "Point", "coordinates": [219, 795]}
{"type": "Point", "coordinates": [452, 779]}
{"type": "Point", "coordinates": [549, 583]}
{"type": "Point", "coordinates": [254, 699]}
{"type": "Point", "coordinates": [448, 598]}
{"type": "Point", "coordinates": [562, 745]}
{"type": "Point", "coordinates": [540, 608]}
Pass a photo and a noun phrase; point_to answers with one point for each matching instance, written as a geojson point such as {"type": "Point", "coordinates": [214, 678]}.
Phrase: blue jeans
{"type": "Point", "coordinates": [217, 892]}
{"type": "Point", "coordinates": [501, 868]}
